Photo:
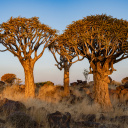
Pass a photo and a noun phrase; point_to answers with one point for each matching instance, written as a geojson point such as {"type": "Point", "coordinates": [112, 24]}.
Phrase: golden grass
{"type": "Point", "coordinates": [50, 99]}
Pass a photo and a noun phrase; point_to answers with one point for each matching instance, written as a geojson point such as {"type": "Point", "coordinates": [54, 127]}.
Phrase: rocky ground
{"type": "Point", "coordinates": [51, 110]}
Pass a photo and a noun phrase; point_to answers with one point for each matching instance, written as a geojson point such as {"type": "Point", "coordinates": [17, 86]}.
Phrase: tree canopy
{"type": "Point", "coordinates": [8, 78]}
{"type": "Point", "coordinates": [98, 37]}
{"type": "Point", "coordinates": [23, 37]}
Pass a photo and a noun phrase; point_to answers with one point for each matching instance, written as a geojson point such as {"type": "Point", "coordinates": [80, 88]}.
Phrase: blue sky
{"type": "Point", "coordinates": [58, 14]}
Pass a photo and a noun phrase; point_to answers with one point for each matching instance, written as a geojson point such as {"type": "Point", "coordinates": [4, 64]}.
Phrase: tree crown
{"type": "Point", "coordinates": [98, 37]}
{"type": "Point", "coordinates": [9, 78]}
{"type": "Point", "coordinates": [24, 36]}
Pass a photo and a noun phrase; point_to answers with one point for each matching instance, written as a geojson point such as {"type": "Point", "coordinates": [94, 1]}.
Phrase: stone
{"type": "Point", "coordinates": [122, 119]}
{"type": "Point", "coordinates": [8, 106]}
{"type": "Point", "coordinates": [20, 120]}
{"type": "Point", "coordinates": [121, 87]}
{"type": "Point", "coordinates": [109, 126]}
{"type": "Point", "coordinates": [124, 80]}
{"type": "Point", "coordinates": [89, 117]}
{"type": "Point", "coordinates": [126, 85]}
{"type": "Point", "coordinates": [59, 120]}
{"type": "Point", "coordinates": [79, 81]}
{"type": "Point", "coordinates": [73, 84]}
{"type": "Point", "coordinates": [87, 124]}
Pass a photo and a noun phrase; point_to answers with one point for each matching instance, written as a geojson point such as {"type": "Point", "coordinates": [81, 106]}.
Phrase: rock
{"type": "Point", "coordinates": [122, 119]}
{"type": "Point", "coordinates": [73, 84]}
{"type": "Point", "coordinates": [124, 80]}
{"type": "Point", "coordinates": [89, 117]}
{"type": "Point", "coordinates": [59, 120]}
{"type": "Point", "coordinates": [79, 81]}
{"type": "Point", "coordinates": [87, 124]}
{"type": "Point", "coordinates": [2, 121]}
{"type": "Point", "coordinates": [109, 126]}
{"type": "Point", "coordinates": [121, 87]}
{"type": "Point", "coordinates": [126, 85]}
{"type": "Point", "coordinates": [20, 120]}
{"type": "Point", "coordinates": [8, 106]}
{"type": "Point", "coordinates": [102, 118]}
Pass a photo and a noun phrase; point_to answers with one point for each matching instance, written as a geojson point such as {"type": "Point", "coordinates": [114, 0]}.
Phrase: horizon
{"type": "Point", "coordinates": [58, 14]}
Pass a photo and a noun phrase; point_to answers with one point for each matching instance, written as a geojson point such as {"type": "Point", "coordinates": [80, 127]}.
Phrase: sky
{"type": "Point", "coordinates": [58, 14]}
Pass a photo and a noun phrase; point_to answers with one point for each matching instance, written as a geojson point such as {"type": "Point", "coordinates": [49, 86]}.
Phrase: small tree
{"type": "Point", "coordinates": [23, 37]}
{"type": "Point", "coordinates": [18, 81]}
{"type": "Point", "coordinates": [8, 78]}
{"type": "Point", "coordinates": [86, 73]}
{"type": "Point", "coordinates": [65, 60]}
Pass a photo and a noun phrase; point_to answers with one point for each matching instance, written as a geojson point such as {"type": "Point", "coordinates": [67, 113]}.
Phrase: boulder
{"type": "Point", "coordinates": [8, 106]}
{"type": "Point", "coordinates": [84, 83]}
{"type": "Point", "coordinates": [73, 84]}
{"type": "Point", "coordinates": [59, 120]}
{"type": "Point", "coordinates": [89, 117]}
{"type": "Point", "coordinates": [79, 81]}
{"type": "Point", "coordinates": [126, 85]}
{"type": "Point", "coordinates": [121, 87]}
{"type": "Point", "coordinates": [109, 126]}
{"type": "Point", "coordinates": [122, 119]}
{"type": "Point", "coordinates": [86, 124]}
{"type": "Point", "coordinates": [2, 123]}
{"type": "Point", "coordinates": [124, 80]}
{"type": "Point", "coordinates": [20, 120]}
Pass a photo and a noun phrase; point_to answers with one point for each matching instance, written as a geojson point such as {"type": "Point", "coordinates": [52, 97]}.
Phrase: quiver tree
{"type": "Point", "coordinates": [23, 37]}
{"type": "Point", "coordinates": [8, 78]}
{"type": "Point", "coordinates": [100, 39]}
{"type": "Point", "coordinates": [67, 56]}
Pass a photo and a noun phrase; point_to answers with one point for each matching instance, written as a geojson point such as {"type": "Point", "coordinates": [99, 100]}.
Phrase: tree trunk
{"type": "Point", "coordinates": [66, 80]}
{"type": "Point", "coordinates": [101, 92]}
{"type": "Point", "coordinates": [29, 79]}
{"type": "Point", "coordinates": [101, 80]}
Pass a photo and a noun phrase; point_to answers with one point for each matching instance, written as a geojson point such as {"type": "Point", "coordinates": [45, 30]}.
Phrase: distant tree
{"type": "Point", "coordinates": [26, 38]}
{"type": "Point", "coordinates": [64, 56]}
{"type": "Point", "coordinates": [99, 38]}
{"type": "Point", "coordinates": [8, 78]}
{"type": "Point", "coordinates": [18, 81]}
{"type": "Point", "coordinates": [124, 80]}
{"type": "Point", "coordinates": [86, 73]}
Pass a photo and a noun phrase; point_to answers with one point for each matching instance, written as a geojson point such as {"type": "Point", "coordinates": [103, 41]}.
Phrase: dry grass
{"type": "Point", "coordinates": [50, 99]}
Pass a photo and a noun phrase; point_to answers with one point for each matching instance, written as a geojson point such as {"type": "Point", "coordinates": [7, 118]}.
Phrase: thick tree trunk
{"type": "Point", "coordinates": [101, 80]}
{"type": "Point", "coordinates": [29, 79]}
{"type": "Point", "coordinates": [66, 80]}
{"type": "Point", "coordinates": [101, 93]}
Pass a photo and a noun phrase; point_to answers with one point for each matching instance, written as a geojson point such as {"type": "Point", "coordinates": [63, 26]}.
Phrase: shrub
{"type": "Point", "coordinates": [8, 78]}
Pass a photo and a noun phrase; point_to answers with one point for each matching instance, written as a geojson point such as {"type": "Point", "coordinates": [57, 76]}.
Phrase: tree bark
{"type": "Point", "coordinates": [28, 66]}
{"type": "Point", "coordinates": [66, 79]}
{"type": "Point", "coordinates": [101, 80]}
{"type": "Point", "coordinates": [101, 93]}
